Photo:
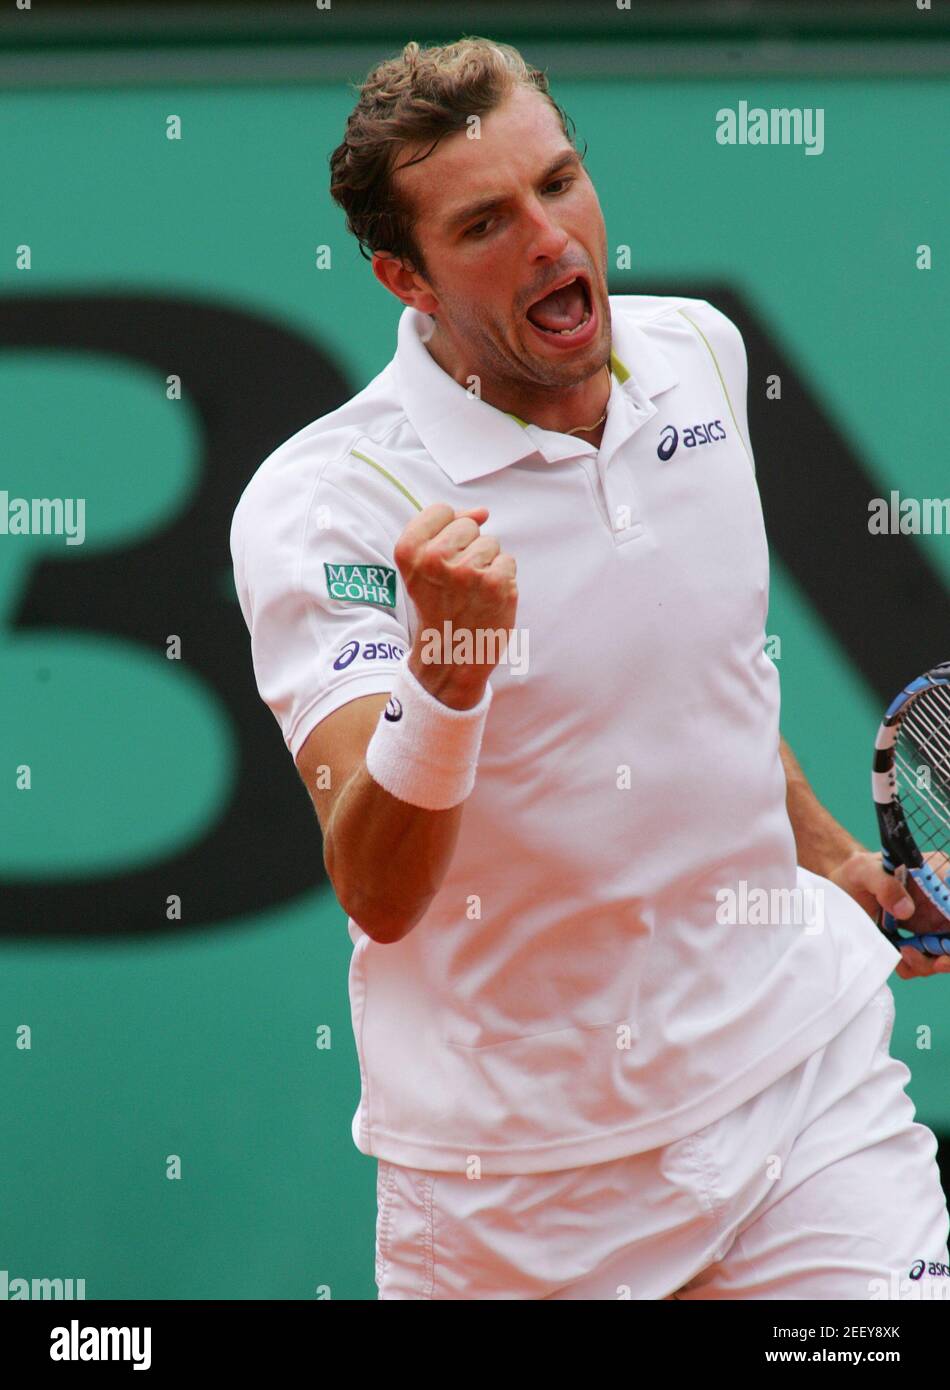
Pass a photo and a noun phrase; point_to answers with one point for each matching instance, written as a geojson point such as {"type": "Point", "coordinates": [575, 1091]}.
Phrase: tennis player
{"type": "Point", "coordinates": [621, 1014]}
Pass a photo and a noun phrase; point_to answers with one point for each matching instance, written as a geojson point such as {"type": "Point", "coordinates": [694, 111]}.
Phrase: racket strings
{"type": "Point", "coordinates": [926, 797]}
{"type": "Point", "coordinates": [922, 771]}
{"type": "Point", "coordinates": [934, 714]}
{"type": "Point", "coordinates": [928, 722]}
{"type": "Point", "coordinates": [929, 834]}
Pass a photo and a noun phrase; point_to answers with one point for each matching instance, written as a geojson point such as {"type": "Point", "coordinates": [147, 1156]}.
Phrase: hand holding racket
{"type": "Point", "coordinates": [911, 788]}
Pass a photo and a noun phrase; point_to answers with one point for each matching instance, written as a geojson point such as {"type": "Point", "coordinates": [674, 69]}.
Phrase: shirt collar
{"type": "Point", "coordinates": [467, 437]}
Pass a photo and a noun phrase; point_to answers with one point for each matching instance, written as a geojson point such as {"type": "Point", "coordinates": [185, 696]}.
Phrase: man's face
{"type": "Point", "coordinates": [501, 221]}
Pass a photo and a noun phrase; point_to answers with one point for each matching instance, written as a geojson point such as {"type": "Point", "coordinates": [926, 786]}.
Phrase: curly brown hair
{"type": "Point", "coordinates": [420, 95]}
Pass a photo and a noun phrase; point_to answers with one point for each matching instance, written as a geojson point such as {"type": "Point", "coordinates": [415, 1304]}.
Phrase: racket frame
{"type": "Point", "coordinates": [901, 855]}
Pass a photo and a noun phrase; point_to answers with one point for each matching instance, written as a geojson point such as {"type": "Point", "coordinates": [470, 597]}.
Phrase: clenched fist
{"type": "Point", "coordinates": [454, 574]}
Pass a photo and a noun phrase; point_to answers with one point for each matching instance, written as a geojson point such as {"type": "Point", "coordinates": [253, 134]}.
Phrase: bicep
{"type": "Point", "coordinates": [335, 748]}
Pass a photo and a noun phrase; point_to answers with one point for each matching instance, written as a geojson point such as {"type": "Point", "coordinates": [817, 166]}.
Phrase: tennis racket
{"type": "Point", "coordinates": [911, 788]}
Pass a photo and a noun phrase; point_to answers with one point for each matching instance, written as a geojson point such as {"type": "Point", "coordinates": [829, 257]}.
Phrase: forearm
{"type": "Point", "coordinates": [386, 857]}
{"type": "Point", "coordinates": [821, 842]}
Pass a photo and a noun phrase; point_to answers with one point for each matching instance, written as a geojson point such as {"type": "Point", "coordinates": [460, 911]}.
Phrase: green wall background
{"type": "Point", "coordinates": [203, 1045]}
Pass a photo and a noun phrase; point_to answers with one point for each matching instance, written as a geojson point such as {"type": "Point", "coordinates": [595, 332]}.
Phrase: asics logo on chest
{"type": "Point", "coordinates": [691, 436]}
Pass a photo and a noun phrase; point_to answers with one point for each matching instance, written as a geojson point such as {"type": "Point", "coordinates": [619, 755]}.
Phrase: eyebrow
{"type": "Point", "coordinates": [470, 210]}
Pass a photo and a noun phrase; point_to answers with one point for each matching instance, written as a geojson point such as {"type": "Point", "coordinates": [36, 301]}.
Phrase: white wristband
{"type": "Point", "coordinates": [423, 751]}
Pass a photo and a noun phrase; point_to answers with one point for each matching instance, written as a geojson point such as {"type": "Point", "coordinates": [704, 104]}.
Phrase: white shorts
{"type": "Point", "coordinates": [823, 1186]}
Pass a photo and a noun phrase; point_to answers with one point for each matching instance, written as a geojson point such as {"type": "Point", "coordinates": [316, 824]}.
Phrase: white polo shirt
{"type": "Point", "coordinates": [579, 988]}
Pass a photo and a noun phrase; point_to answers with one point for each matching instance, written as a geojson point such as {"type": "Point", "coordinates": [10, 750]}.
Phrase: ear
{"type": "Point", "coordinates": [406, 284]}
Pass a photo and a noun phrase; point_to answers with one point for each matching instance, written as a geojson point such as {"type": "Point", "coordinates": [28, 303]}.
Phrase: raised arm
{"type": "Point", "coordinates": [386, 855]}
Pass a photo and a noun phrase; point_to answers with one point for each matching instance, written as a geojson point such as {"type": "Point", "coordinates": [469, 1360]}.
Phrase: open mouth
{"type": "Point", "coordinates": [564, 311]}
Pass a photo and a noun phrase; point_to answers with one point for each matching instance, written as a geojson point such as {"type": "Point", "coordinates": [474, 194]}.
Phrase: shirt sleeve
{"type": "Point", "coordinates": [321, 597]}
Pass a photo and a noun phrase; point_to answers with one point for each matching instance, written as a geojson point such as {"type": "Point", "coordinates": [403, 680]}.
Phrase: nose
{"type": "Point", "coordinates": [549, 240]}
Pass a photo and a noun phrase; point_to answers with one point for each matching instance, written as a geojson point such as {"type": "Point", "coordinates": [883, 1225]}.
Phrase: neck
{"type": "Point", "coordinates": [559, 408]}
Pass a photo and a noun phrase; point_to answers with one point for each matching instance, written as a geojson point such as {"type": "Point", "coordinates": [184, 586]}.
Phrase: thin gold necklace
{"type": "Point", "coordinates": [584, 429]}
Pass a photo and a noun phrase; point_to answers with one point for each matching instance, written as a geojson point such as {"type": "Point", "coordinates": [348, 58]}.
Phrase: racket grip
{"type": "Point", "coordinates": [888, 925]}
{"type": "Point", "coordinates": [931, 944]}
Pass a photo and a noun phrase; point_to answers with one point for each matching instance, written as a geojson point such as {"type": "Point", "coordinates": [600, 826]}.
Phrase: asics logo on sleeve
{"type": "Point", "coordinates": [393, 710]}
{"type": "Point", "coordinates": [367, 651]}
